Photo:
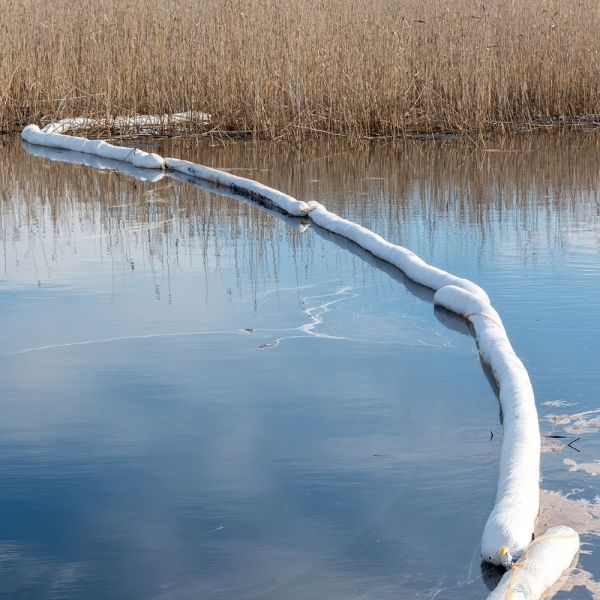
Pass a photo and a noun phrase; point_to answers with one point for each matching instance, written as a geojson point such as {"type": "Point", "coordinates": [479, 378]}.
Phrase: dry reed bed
{"type": "Point", "coordinates": [292, 67]}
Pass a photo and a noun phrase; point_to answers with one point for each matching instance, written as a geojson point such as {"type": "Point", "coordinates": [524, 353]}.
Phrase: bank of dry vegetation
{"type": "Point", "coordinates": [293, 68]}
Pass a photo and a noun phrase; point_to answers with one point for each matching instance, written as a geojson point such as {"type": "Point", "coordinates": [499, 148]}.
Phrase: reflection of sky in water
{"type": "Point", "coordinates": [230, 407]}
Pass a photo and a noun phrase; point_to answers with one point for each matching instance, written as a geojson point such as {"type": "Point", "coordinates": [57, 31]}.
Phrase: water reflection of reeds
{"type": "Point", "coordinates": [448, 176]}
{"type": "Point", "coordinates": [51, 209]}
{"type": "Point", "coordinates": [529, 186]}
{"type": "Point", "coordinates": [524, 184]}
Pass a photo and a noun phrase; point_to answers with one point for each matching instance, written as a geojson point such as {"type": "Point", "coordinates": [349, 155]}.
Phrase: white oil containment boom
{"type": "Point", "coordinates": [540, 566]}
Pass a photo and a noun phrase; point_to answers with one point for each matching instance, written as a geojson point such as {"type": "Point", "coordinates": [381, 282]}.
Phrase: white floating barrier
{"type": "Point", "coordinates": [138, 158]}
{"type": "Point", "coordinates": [509, 528]}
{"type": "Point", "coordinates": [540, 567]}
{"type": "Point", "coordinates": [137, 122]}
{"type": "Point", "coordinates": [96, 162]}
{"type": "Point", "coordinates": [241, 185]}
{"type": "Point", "coordinates": [293, 223]}
{"type": "Point", "coordinates": [508, 532]}
{"type": "Point", "coordinates": [408, 262]}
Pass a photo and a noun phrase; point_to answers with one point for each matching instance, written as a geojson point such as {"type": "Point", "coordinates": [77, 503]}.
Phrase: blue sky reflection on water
{"type": "Point", "coordinates": [201, 400]}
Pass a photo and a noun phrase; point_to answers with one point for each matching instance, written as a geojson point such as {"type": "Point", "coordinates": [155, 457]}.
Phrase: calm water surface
{"type": "Point", "coordinates": [201, 399]}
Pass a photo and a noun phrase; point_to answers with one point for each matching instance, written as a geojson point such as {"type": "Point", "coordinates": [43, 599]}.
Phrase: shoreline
{"type": "Point", "coordinates": [549, 125]}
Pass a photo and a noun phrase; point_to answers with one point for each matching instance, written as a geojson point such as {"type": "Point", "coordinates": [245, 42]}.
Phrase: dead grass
{"type": "Point", "coordinates": [292, 68]}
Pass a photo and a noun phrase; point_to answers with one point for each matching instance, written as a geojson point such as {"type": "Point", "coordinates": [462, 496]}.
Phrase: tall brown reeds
{"type": "Point", "coordinates": [297, 67]}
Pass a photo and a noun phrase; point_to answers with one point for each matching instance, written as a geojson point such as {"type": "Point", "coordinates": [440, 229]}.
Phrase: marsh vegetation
{"type": "Point", "coordinates": [304, 67]}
